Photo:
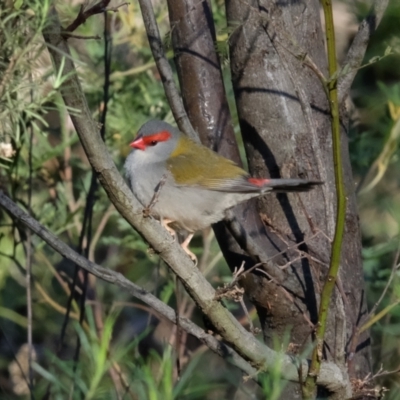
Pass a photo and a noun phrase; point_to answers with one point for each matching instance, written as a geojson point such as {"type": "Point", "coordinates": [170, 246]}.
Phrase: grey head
{"type": "Point", "coordinates": [157, 140]}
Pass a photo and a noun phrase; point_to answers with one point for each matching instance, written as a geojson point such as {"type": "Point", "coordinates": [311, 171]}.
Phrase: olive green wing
{"type": "Point", "coordinates": [195, 165]}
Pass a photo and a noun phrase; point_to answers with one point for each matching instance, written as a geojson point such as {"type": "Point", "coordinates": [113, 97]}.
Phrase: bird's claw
{"type": "Point", "coordinates": [164, 222]}
{"type": "Point", "coordinates": [185, 246]}
{"type": "Point", "coordinates": [191, 255]}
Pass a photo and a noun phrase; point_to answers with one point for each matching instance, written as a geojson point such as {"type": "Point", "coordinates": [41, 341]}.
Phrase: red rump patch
{"type": "Point", "coordinates": [258, 182]}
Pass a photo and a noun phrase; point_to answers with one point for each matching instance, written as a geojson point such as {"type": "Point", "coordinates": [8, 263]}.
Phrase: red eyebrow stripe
{"type": "Point", "coordinates": [258, 182]}
{"type": "Point", "coordinates": [157, 137]}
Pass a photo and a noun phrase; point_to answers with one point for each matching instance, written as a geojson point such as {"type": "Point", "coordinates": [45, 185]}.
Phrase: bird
{"type": "Point", "coordinates": [186, 185]}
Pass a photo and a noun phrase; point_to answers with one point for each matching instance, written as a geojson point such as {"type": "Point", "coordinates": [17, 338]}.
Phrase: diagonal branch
{"type": "Point", "coordinates": [84, 14]}
{"type": "Point", "coordinates": [356, 53]}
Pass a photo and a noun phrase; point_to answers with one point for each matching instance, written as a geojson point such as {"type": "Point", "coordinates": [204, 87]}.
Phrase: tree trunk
{"type": "Point", "coordinates": [285, 122]}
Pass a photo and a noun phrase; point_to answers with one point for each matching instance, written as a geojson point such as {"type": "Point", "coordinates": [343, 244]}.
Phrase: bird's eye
{"type": "Point", "coordinates": [153, 142]}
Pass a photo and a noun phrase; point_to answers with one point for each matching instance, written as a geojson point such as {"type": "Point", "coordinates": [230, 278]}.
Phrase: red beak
{"type": "Point", "coordinates": [138, 143]}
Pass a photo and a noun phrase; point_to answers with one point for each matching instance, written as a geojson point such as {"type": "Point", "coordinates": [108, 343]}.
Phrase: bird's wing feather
{"type": "Point", "coordinates": [194, 165]}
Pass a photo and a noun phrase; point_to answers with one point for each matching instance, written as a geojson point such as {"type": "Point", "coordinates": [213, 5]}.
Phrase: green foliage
{"type": "Point", "coordinates": [149, 377]}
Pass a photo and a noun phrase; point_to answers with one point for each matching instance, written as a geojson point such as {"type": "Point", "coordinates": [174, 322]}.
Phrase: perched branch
{"type": "Point", "coordinates": [356, 53]}
{"type": "Point", "coordinates": [165, 70]}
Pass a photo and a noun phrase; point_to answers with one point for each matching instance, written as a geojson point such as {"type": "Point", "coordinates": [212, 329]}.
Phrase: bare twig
{"type": "Point", "coordinates": [382, 372]}
{"type": "Point", "coordinates": [234, 292]}
{"type": "Point", "coordinates": [395, 267]}
{"type": "Point", "coordinates": [369, 319]}
{"type": "Point", "coordinates": [289, 263]}
{"type": "Point", "coordinates": [28, 276]}
{"type": "Point", "coordinates": [252, 329]}
{"type": "Point", "coordinates": [241, 272]}
{"type": "Point", "coordinates": [357, 49]}
{"type": "Point", "coordinates": [100, 228]}
{"type": "Point", "coordinates": [53, 304]}
{"type": "Point", "coordinates": [156, 195]}
{"type": "Point", "coordinates": [73, 35]}
{"type": "Point", "coordinates": [247, 243]}
{"type": "Point", "coordinates": [363, 389]}
{"type": "Point", "coordinates": [83, 15]}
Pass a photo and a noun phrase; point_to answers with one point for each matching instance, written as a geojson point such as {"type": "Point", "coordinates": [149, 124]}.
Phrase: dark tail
{"type": "Point", "coordinates": [291, 185]}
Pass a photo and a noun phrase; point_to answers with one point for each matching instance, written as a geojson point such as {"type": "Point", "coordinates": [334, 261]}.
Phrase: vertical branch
{"type": "Point", "coordinates": [200, 74]}
{"type": "Point", "coordinates": [107, 72]}
{"type": "Point", "coordinates": [29, 268]}
{"type": "Point", "coordinates": [165, 71]}
{"type": "Point", "coordinates": [28, 275]}
{"type": "Point", "coordinates": [310, 383]}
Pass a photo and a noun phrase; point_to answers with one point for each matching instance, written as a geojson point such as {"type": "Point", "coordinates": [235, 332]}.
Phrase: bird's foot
{"type": "Point", "coordinates": [164, 223]}
{"type": "Point", "coordinates": [185, 246]}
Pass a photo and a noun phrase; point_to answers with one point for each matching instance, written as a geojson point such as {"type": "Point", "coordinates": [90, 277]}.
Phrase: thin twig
{"type": "Point", "coordinates": [73, 35]}
{"type": "Point", "coordinates": [53, 304]}
{"type": "Point", "coordinates": [358, 47]}
{"type": "Point", "coordinates": [100, 228]}
{"type": "Point", "coordinates": [178, 336]}
{"type": "Point", "coordinates": [243, 272]}
{"type": "Point", "coordinates": [395, 267]}
{"type": "Point", "coordinates": [246, 312]}
{"type": "Point", "coordinates": [369, 319]}
{"type": "Point", "coordinates": [29, 258]}
{"type": "Point", "coordinates": [382, 372]}
{"type": "Point", "coordinates": [156, 195]}
{"type": "Point", "coordinates": [83, 15]}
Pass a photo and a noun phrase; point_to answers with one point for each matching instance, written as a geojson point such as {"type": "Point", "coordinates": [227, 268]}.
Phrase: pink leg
{"type": "Point", "coordinates": [185, 243]}
{"type": "Point", "coordinates": [185, 246]}
{"type": "Point", "coordinates": [164, 223]}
